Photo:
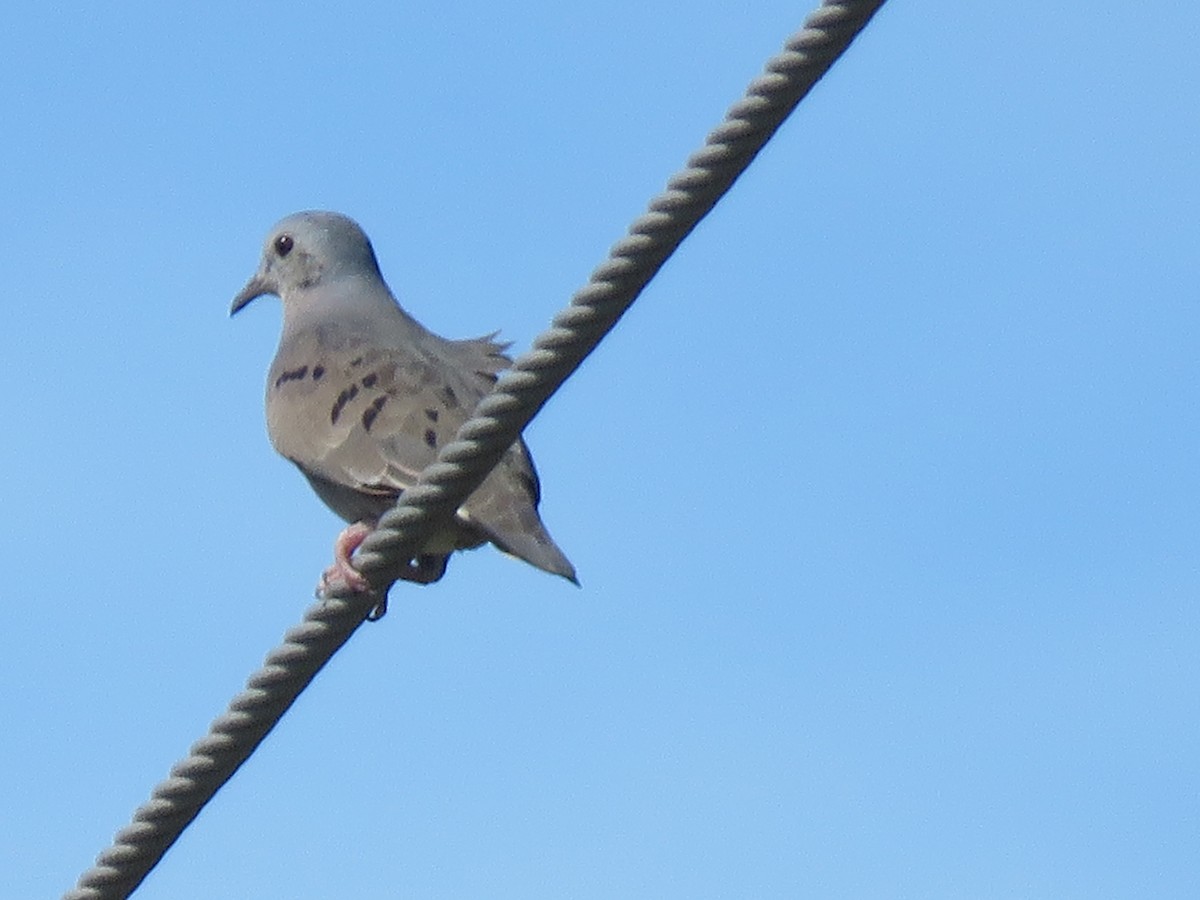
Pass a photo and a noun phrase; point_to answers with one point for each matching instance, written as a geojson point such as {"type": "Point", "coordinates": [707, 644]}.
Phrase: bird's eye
{"type": "Point", "coordinates": [284, 244]}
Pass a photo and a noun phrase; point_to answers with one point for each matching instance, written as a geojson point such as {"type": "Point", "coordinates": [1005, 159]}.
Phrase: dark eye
{"type": "Point", "coordinates": [284, 244]}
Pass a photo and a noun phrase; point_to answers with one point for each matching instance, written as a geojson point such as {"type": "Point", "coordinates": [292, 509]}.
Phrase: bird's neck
{"type": "Point", "coordinates": [348, 298]}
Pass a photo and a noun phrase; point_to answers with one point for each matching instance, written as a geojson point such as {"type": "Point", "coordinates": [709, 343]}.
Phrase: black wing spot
{"type": "Point", "coordinates": [369, 414]}
{"type": "Point", "coordinates": [430, 438]}
{"type": "Point", "coordinates": [371, 380]}
{"type": "Point", "coordinates": [431, 415]}
{"type": "Point", "coordinates": [451, 397]}
{"type": "Point", "coordinates": [318, 372]}
{"type": "Point", "coordinates": [343, 398]}
{"type": "Point", "coordinates": [291, 375]}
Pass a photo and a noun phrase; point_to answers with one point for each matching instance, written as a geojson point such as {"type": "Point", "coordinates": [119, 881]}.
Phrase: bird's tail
{"type": "Point", "coordinates": [536, 547]}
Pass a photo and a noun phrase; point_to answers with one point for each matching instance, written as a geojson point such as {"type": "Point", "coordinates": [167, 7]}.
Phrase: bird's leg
{"type": "Point", "coordinates": [342, 575]}
{"type": "Point", "coordinates": [425, 569]}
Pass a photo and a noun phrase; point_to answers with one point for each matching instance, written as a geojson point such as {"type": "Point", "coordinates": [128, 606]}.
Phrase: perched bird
{"type": "Point", "coordinates": [361, 396]}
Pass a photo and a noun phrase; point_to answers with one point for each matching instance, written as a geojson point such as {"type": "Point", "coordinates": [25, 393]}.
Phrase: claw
{"type": "Point", "coordinates": [342, 577]}
{"type": "Point", "coordinates": [425, 569]}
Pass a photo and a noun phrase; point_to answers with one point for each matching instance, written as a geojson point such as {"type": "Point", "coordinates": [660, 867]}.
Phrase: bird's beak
{"type": "Point", "coordinates": [255, 287]}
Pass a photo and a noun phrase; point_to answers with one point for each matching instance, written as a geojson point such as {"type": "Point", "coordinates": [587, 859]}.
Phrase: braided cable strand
{"type": "Point", "coordinates": [524, 388]}
{"type": "Point", "coordinates": [462, 465]}
{"type": "Point", "coordinates": [212, 760]}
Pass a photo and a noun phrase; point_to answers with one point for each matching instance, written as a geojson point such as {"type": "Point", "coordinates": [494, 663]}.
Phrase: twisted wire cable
{"type": "Point", "coordinates": [524, 388]}
{"type": "Point", "coordinates": [213, 759]}
{"type": "Point", "coordinates": [461, 465]}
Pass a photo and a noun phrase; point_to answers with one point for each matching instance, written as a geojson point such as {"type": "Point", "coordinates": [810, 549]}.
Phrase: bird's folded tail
{"type": "Point", "coordinates": [504, 510]}
{"type": "Point", "coordinates": [537, 548]}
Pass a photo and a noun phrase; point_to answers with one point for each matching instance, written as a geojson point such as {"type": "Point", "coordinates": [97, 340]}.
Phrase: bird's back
{"type": "Point", "coordinates": [362, 414]}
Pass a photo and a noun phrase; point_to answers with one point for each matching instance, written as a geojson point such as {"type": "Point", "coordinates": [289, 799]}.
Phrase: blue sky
{"type": "Point", "coordinates": [883, 497]}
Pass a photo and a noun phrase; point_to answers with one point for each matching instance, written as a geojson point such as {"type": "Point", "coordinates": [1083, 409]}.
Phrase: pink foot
{"type": "Point", "coordinates": [342, 576]}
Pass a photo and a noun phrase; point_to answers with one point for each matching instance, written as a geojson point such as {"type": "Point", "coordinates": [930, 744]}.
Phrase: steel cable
{"type": "Point", "coordinates": [500, 417]}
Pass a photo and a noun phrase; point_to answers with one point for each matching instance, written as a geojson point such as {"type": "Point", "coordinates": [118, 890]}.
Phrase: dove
{"type": "Point", "coordinates": [360, 396]}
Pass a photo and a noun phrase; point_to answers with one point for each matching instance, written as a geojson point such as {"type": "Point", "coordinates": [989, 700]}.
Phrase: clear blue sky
{"type": "Point", "coordinates": [883, 497]}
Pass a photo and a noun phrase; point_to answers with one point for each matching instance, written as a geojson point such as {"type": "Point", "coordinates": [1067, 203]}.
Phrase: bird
{"type": "Point", "coordinates": [360, 397]}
